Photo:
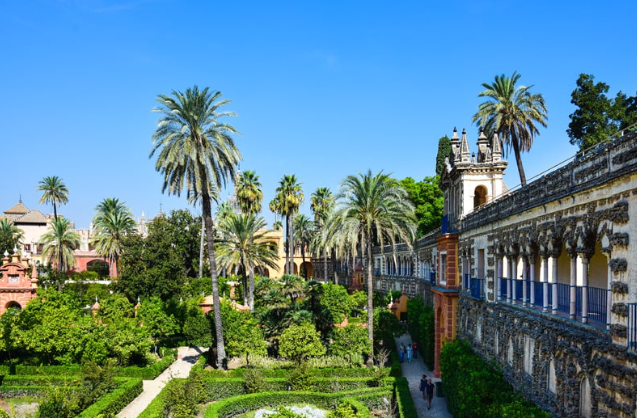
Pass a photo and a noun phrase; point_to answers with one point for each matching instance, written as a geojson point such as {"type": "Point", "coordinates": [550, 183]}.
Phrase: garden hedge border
{"type": "Point", "coordinates": [118, 399]}
{"type": "Point", "coordinates": [404, 401]}
{"type": "Point", "coordinates": [240, 404]}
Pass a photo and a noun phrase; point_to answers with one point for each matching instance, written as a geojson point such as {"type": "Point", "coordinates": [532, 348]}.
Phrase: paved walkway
{"type": "Point", "coordinates": [186, 357]}
{"type": "Point", "coordinates": [413, 372]}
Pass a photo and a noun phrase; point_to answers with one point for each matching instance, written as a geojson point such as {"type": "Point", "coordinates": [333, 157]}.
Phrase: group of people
{"type": "Point", "coordinates": [406, 353]}
{"type": "Point", "coordinates": [427, 388]}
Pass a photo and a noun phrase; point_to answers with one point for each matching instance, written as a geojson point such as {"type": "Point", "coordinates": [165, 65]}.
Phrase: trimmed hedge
{"type": "Point", "coordinates": [118, 399]}
{"type": "Point", "coordinates": [150, 372]}
{"type": "Point", "coordinates": [240, 404]}
{"type": "Point", "coordinates": [37, 380]}
{"type": "Point", "coordinates": [72, 370]}
{"type": "Point", "coordinates": [475, 387]}
{"type": "Point", "coordinates": [285, 373]}
{"type": "Point", "coordinates": [404, 401]}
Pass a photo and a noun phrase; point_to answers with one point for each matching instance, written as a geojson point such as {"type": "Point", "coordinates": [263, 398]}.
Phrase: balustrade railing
{"type": "Point", "coordinates": [476, 287]}
{"type": "Point", "coordinates": [503, 287]}
{"type": "Point", "coordinates": [518, 290]}
{"type": "Point", "coordinates": [598, 305]}
{"type": "Point", "coordinates": [538, 293]}
{"type": "Point", "coordinates": [563, 298]}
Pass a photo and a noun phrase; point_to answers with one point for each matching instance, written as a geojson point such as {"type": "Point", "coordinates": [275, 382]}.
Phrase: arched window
{"type": "Point", "coordinates": [510, 353]}
{"type": "Point", "coordinates": [585, 405]}
{"type": "Point", "coordinates": [551, 377]}
{"type": "Point", "coordinates": [13, 305]}
{"type": "Point", "coordinates": [479, 196]}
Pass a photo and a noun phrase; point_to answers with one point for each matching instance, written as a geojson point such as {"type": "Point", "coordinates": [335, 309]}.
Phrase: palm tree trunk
{"type": "Point", "coordinates": [287, 244]}
{"type": "Point", "coordinates": [244, 281]}
{"type": "Point", "coordinates": [325, 266]}
{"type": "Point", "coordinates": [291, 241]}
{"type": "Point", "coordinates": [370, 297]}
{"type": "Point", "coordinates": [303, 258]}
{"type": "Point", "coordinates": [221, 348]}
{"type": "Point", "coordinates": [518, 159]}
{"type": "Point", "coordinates": [203, 226]}
{"type": "Point", "coordinates": [251, 291]}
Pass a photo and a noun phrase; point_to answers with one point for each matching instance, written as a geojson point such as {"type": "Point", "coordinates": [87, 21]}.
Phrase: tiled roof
{"type": "Point", "coordinates": [18, 209]}
{"type": "Point", "coordinates": [32, 217]}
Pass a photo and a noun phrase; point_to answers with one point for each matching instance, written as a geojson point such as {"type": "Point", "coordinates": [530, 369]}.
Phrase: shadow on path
{"type": "Point", "coordinates": [413, 372]}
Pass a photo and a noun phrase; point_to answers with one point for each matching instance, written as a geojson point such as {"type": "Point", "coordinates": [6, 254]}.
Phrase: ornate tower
{"type": "Point", "coordinates": [467, 181]}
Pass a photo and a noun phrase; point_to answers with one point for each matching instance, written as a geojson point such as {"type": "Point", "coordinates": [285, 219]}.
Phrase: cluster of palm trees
{"type": "Point", "coordinates": [196, 152]}
{"type": "Point", "coordinates": [112, 221]}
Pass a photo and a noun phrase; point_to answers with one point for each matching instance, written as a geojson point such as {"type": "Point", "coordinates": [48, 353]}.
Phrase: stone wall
{"type": "Point", "coordinates": [577, 352]}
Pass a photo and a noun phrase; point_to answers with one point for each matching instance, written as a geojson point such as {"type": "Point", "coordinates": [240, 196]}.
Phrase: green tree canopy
{"type": "Point", "coordinates": [444, 149]}
{"type": "Point", "coordinates": [349, 341]}
{"type": "Point", "coordinates": [428, 201]}
{"type": "Point", "coordinates": [59, 243]}
{"type": "Point", "coordinates": [597, 116]}
{"type": "Point", "coordinates": [10, 236]}
{"type": "Point", "coordinates": [299, 342]}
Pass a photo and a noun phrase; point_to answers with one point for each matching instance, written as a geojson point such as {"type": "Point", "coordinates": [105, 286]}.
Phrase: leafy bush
{"type": "Point", "coordinates": [181, 399]}
{"type": "Point", "coordinates": [475, 387]}
{"type": "Point", "coordinates": [254, 380]}
{"type": "Point", "coordinates": [300, 378]}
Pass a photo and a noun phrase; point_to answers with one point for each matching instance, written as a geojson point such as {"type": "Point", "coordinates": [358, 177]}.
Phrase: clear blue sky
{"type": "Point", "coordinates": [322, 89]}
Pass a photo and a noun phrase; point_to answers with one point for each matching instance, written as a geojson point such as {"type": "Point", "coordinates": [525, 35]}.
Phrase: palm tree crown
{"type": "Point", "coordinates": [513, 112]}
{"type": "Point", "coordinates": [59, 243]}
{"type": "Point", "coordinates": [54, 191]}
{"type": "Point", "coordinates": [10, 236]}
{"type": "Point", "coordinates": [249, 193]}
{"type": "Point", "coordinates": [321, 204]}
{"type": "Point", "coordinates": [288, 199]}
{"type": "Point", "coordinates": [370, 209]}
{"type": "Point", "coordinates": [112, 221]}
{"type": "Point", "coordinates": [194, 147]}
{"type": "Point", "coordinates": [244, 243]}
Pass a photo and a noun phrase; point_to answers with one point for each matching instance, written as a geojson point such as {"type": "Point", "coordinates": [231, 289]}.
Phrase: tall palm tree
{"type": "Point", "coordinates": [112, 222]}
{"type": "Point", "coordinates": [303, 234]}
{"type": "Point", "coordinates": [59, 243]}
{"type": "Point", "coordinates": [54, 191]}
{"type": "Point", "coordinates": [321, 204]}
{"type": "Point", "coordinates": [288, 199]}
{"type": "Point", "coordinates": [249, 193]}
{"type": "Point", "coordinates": [10, 236]}
{"type": "Point", "coordinates": [512, 112]}
{"type": "Point", "coordinates": [244, 243]}
{"type": "Point", "coordinates": [371, 209]}
{"type": "Point", "coordinates": [197, 148]}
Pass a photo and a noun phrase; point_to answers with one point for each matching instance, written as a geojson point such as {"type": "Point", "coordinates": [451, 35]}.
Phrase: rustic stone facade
{"type": "Point", "coordinates": [18, 283]}
{"type": "Point", "coordinates": [545, 276]}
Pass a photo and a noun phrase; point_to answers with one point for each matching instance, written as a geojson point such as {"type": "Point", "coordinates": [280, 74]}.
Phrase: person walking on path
{"type": "Point", "coordinates": [423, 385]}
{"type": "Point", "coordinates": [402, 352]}
{"type": "Point", "coordinates": [410, 352]}
{"type": "Point", "coordinates": [430, 392]}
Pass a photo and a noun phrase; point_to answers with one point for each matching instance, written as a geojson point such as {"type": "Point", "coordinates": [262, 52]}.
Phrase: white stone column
{"type": "Point", "coordinates": [573, 287]}
{"type": "Point", "coordinates": [514, 273]}
{"type": "Point", "coordinates": [584, 261]}
{"type": "Point", "coordinates": [554, 284]}
{"type": "Point", "coordinates": [498, 274]}
{"type": "Point", "coordinates": [525, 281]}
{"type": "Point", "coordinates": [545, 285]}
{"type": "Point", "coordinates": [532, 278]}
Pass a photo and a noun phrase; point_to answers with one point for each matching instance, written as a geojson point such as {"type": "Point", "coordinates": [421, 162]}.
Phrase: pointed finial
{"type": "Point", "coordinates": [138, 299]}
{"type": "Point", "coordinates": [20, 199]}
{"type": "Point", "coordinates": [95, 298]}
